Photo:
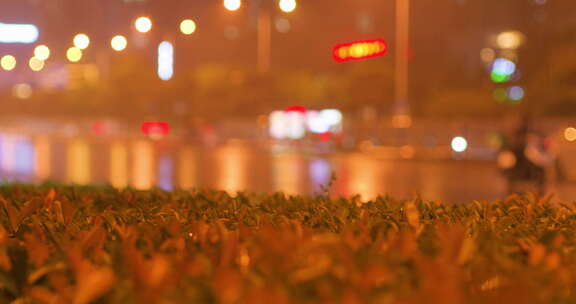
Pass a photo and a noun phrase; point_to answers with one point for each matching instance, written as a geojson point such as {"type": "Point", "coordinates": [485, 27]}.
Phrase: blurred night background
{"type": "Point", "coordinates": [360, 97]}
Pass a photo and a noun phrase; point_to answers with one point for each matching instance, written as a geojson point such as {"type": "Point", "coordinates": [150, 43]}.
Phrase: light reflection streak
{"type": "Point", "coordinates": [320, 173]}
{"type": "Point", "coordinates": [143, 165]}
{"type": "Point", "coordinates": [187, 169]}
{"type": "Point", "coordinates": [43, 157]}
{"type": "Point", "coordinates": [8, 153]}
{"type": "Point", "coordinates": [287, 172]}
{"type": "Point", "coordinates": [232, 162]}
{"type": "Point", "coordinates": [165, 169]}
{"type": "Point", "coordinates": [78, 162]}
{"type": "Point", "coordinates": [363, 176]}
{"type": "Point", "coordinates": [118, 165]}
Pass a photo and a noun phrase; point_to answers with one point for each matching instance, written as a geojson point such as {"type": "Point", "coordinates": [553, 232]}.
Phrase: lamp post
{"type": "Point", "coordinates": [401, 117]}
{"type": "Point", "coordinates": [264, 44]}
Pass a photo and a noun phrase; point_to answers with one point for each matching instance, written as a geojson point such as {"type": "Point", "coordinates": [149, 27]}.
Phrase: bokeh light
{"type": "Point", "coordinates": [516, 93]}
{"type": "Point", "coordinates": [570, 134]}
{"type": "Point", "coordinates": [506, 160]}
{"type": "Point", "coordinates": [287, 6]}
{"type": "Point", "coordinates": [8, 62]}
{"type": "Point", "coordinates": [510, 40]}
{"type": "Point", "coordinates": [143, 24]}
{"type": "Point", "coordinates": [119, 43]}
{"type": "Point", "coordinates": [36, 64]}
{"type": "Point", "coordinates": [500, 95]}
{"type": "Point", "coordinates": [232, 5]}
{"type": "Point", "coordinates": [188, 27]}
{"type": "Point", "coordinates": [282, 25]}
{"type": "Point", "coordinates": [42, 52]}
{"type": "Point", "coordinates": [81, 41]}
{"type": "Point", "coordinates": [74, 54]}
{"type": "Point", "coordinates": [165, 60]}
{"type": "Point", "coordinates": [459, 144]}
{"type": "Point", "coordinates": [18, 33]}
{"type": "Point", "coordinates": [22, 91]}
{"type": "Point", "coordinates": [502, 70]}
{"type": "Point", "coordinates": [487, 55]}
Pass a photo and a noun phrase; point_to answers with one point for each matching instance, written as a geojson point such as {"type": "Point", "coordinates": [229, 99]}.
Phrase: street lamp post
{"type": "Point", "coordinates": [264, 40]}
{"type": "Point", "coordinates": [401, 116]}
{"type": "Point", "coordinates": [264, 44]}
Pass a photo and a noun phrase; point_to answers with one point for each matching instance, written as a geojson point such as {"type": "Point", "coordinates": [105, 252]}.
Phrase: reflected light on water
{"type": "Point", "coordinates": [43, 157]}
{"type": "Point", "coordinates": [364, 176]}
{"type": "Point", "coordinates": [165, 169]}
{"type": "Point", "coordinates": [232, 162]}
{"type": "Point", "coordinates": [7, 155]}
{"type": "Point", "coordinates": [187, 169]}
{"type": "Point", "coordinates": [143, 165]}
{"type": "Point", "coordinates": [78, 162]}
{"type": "Point", "coordinates": [287, 172]}
{"type": "Point", "coordinates": [320, 172]}
{"type": "Point", "coordinates": [118, 165]}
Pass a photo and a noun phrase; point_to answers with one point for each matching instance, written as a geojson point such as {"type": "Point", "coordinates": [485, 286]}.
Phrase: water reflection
{"type": "Point", "coordinates": [320, 173]}
{"type": "Point", "coordinates": [363, 177]}
{"type": "Point", "coordinates": [165, 169]}
{"type": "Point", "coordinates": [187, 168]}
{"type": "Point", "coordinates": [142, 165]}
{"type": "Point", "coordinates": [118, 165]}
{"type": "Point", "coordinates": [232, 162]}
{"type": "Point", "coordinates": [78, 162]}
{"type": "Point", "coordinates": [237, 166]}
{"type": "Point", "coordinates": [43, 155]}
{"type": "Point", "coordinates": [287, 173]}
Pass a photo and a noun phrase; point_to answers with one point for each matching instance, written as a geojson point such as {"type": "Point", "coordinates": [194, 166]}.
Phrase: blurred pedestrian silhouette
{"type": "Point", "coordinates": [526, 159]}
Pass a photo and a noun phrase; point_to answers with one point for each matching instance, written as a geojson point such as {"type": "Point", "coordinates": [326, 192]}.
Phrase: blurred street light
{"type": "Point", "coordinates": [510, 40]}
{"type": "Point", "coordinates": [264, 29]}
{"type": "Point", "coordinates": [232, 5]}
{"type": "Point", "coordinates": [459, 144]}
{"type": "Point", "coordinates": [36, 64]}
{"type": "Point", "coordinates": [119, 43]}
{"type": "Point", "coordinates": [165, 60]}
{"type": "Point", "coordinates": [81, 41]}
{"type": "Point", "coordinates": [143, 24]}
{"type": "Point", "coordinates": [287, 6]}
{"type": "Point", "coordinates": [74, 54]}
{"type": "Point", "coordinates": [8, 62]}
{"type": "Point", "coordinates": [570, 134]}
{"type": "Point", "coordinates": [22, 91]}
{"type": "Point", "coordinates": [42, 52]}
{"type": "Point", "coordinates": [188, 27]}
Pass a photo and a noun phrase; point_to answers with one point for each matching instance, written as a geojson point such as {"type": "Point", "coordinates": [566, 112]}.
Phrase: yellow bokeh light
{"type": "Point", "coordinates": [343, 52]}
{"type": "Point", "coordinates": [232, 5]}
{"type": "Point", "coordinates": [8, 62]}
{"type": "Point", "coordinates": [510, 40]}
{"type": "Point", "coordinates": [287, 6]}
{"type": "Point", "coordinates": [74, 54]}
{"type": "Point", "coordinates": [36, 64]}
{"type": "Point", "coordinates": [188, 27]}
{"type": "Point", "coordinates": [22, 91]}
{"type": "Point", "coordinates": [143, 24]}
{"type": "Point", "coordinates": [570, 134]}
{"type": "Point", "coordinates": [81, 41]}
{"type": "Point", "coordinates": [42, 52]}
{"type": "Point", "coordinates": [119, 43]}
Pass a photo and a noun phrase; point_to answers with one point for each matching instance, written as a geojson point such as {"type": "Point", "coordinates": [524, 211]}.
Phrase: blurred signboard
{"type": "Point", "coordinates": [359, 50]}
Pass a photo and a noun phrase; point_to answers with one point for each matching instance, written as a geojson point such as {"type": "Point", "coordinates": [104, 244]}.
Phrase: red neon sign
{"type": "Point", "coordinates": [359, 50]}
{"type": "Point", "coordinates": [155, 128]}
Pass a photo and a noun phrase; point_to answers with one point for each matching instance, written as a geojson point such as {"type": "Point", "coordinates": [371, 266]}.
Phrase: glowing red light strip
{"type": "Point", "coordinates": [359, 50]}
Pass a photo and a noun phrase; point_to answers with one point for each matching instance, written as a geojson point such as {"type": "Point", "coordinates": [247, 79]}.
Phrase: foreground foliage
{"type": "Point", "coordinates": [101, 245]}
